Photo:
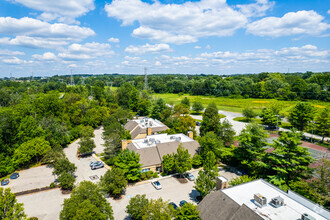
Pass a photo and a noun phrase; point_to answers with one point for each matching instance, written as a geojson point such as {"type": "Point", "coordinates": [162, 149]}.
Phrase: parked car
{"type": "Point", "coordinates": [4, 182]}
{"type": "Point", "coordinates": [97, 165]}
{"type": "Point", "coordinates": [189, 176]}
{"type": "Point", "coordinates": [92, 163]}
{"type": "Point", "coordinates": [175, 207]}
{"type": "Point", "coordinates": [183, 202]}
{"type": "Point", "coordinates": [156, 184]}
{"type": "Point", "coordinates": [14, 176]}
{"type": "Point", "coordinates": [198, 123]}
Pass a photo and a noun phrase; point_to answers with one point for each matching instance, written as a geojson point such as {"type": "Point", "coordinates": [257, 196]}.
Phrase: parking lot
{"type": "Point", "coordinates": [45, 205]}
{"type": "Point", "coordinates": [32, 178]}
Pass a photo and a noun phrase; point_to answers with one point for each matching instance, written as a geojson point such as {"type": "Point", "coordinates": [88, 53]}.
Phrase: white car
{"type": "Point", "coordinates": [189, 176]}
{"type": "Point", "coordinates": [156, 184]}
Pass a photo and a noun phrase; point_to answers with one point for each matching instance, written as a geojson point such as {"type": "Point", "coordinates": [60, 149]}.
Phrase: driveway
{"type": "Point", "coordinates": [99, 142]}
{"type": "Point", "coordinates": [36, 177]}
{"type": "Point", "coordinates": [237, 126]}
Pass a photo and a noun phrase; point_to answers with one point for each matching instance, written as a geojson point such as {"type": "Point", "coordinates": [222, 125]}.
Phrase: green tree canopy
{"type": "Point", "coordinates": [301, 115]}
{"type": "Point", "coordinates": [197, 107]}
{"type": "Point", "coordinates": [182, 160]}
{"type": "Point", "coordinates": [226, 133]}
{"type": "Point", "coordinates": [86, 145]}
{"type": "Point", "coordinates": [137, 206]}
{"type": "Point", "coordinates": [323, 123]}
{"type": "Point", "coordinates": [168, 163]}
{"type": "Point", "coordinates": [113, 182]}
{"type": "Point", "coordinates": [210, 142]}
{"type": "Point", "coordinates": [9, 207]}
{"type": "Point", "coordinates": [63, 165]}
{"type": "Point", "coordinates": [86, 196]}
{"type": "Point", "coordinates": [128, 161]}
{"type": "Point", "coordinates": [66, 180]}
{"type": "Point", "coordinates": [211, 120]}
{"type": "Point", "coordinates": [249, 113]}
{"type": "Point", "coordinates": [186, 102]}
{"type": "Point", "coordinates": [187, 212]}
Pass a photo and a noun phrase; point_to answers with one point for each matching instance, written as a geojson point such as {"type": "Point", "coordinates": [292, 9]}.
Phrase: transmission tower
{"type": "Point", "coordinates": [72, 82]}
{"type": "Point", "coordinates": [145, 79]}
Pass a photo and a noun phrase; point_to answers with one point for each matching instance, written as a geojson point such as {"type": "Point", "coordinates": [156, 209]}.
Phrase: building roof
{"type": "Point", "coordinates": [294, 204]}
{"type": "Point", "coordinates": [154, 147]}
{"type": "Point", "coordinates": [218, 206]}
{"type": "Point", "coordinates": [139, 126]}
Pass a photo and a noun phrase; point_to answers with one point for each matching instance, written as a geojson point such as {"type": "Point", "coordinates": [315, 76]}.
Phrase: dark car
{"type": "Point", "coordinates": [183, 202]}
{"type": "Point", "coordinates": [4, 182]}
{"type": "Point", "coordinates": [198, 123]}
{"type": "Point", "coordinates": [14, 176]}
{"type": "Point", "coordinates": [174, 205]}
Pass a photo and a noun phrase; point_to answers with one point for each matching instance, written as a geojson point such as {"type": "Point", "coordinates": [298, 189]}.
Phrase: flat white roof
{"type": "Point", "coordinates": [152, 140]}
{"type": "Point", "coordinates": [148, 123]}
{"type": "Point", "coordinates": [294, 206]}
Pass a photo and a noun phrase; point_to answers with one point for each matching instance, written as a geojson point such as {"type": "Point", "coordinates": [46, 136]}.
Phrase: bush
{"type": "Point", "coordinates": [197, 161]}
{"type": "Point", "coordinates": [143, 176]}
{"type": "Point", "coordinates": [33, 218]}
{"type": "Point", "coordinates": [155, 175]}
{"type": "Point", "coordinates": [149, 174]}
{"type": "Point", "coordinates": [163, 174]}
{"type": "Point", "coordinates": [52, 185]}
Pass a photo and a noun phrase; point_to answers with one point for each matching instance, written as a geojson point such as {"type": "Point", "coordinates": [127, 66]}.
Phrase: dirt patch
{"type": "Point", "coordinates": [34, 190]}
{"type": "Point", "coordinates": [180, 179]}
{"type": "Point", "coordinates": [66, 191]}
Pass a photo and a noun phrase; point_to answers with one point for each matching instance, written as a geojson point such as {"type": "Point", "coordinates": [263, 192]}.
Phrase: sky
{"type": "Point", "coordinates": [45, 38]}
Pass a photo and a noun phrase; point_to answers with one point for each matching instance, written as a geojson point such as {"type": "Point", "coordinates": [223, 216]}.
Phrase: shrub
{"type": "Point", "coordinates": [143, 176]}
{"type": "Point", "coordinates": [52, 185]}
{"type": "Point", "coordinates": [155, 175]}
{"type": "Point", "coordinates": [149, 174]}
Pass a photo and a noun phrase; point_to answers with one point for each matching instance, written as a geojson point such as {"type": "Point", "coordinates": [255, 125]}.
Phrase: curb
{"type": "Point", "coordinates": [98, 159]}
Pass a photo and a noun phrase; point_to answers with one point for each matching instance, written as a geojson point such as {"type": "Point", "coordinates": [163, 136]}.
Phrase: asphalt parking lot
{"type": "Point", "coordinates": [84, 171]}
{"type": "Point", "coordinates": [36, 177]}
{"type": "Point", "coordinates": [172, 191]}
{"type": "Point", "coordinates": [45, 205]}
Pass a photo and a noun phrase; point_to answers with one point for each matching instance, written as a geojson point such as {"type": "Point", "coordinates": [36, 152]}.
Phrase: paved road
{"type": "Point", "coordinates": [239, 126]}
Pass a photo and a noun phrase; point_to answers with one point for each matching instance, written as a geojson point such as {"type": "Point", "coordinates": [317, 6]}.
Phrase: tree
{"type": "Point", "coordinates": [248, 113]}
{"type": "Point", "coordinates": [270, 118]}
{"type": "Point", "coordinates": [187, 212]}
{"type": "Point", "coordinates": [9, 207]}
{"type": "Point", "coordinates": [241, 179]}
{"type": "Point", "coordinates": [197, 107]}
{"type": "Point", "coordinates": [137, 206]}
{"type": "Point", "coordinates": [210, 142]}
{"type": "Point", "coordinates": [63, 165]}
{"type": "Point", "coordinates": [157, 109]}
{"type": "Point", "coordinates": [226, 133]}
{"type": "Point", "coordinates": [206, 180]}
{"type": "Point", "coordinates": [182, 160]}
{"type": "Point", "coordinates": [323, 123]}
{"type": "Point", "coordinates": [158, 209]}
{"type": "Point", "coordinates": [252, 146]}
{"type": "Point", "coordinates": [181, 109]}
{"type": "Point", "coordinates": [128, 161]}
{"type": "Point", "coordinates": [113, 182]}
{"type": "Point", "coordinates": [301, 115]}
{"type": "Point", "coordinates": [168, 163]}
{"type": "Point", "coordinates": [186, 102]}
{"type": "Point", "coordinates": [289, 161]}
{"type": "Point", "coordinates": [86, 145]}
{"type": "Point", "coordinates": [32, 149]}
{"type": "Point", "coordinates": [28, 129]}
{"type": "Point", "coordinates": [86, 196]}
{"type": "Point", "coordinates": [66, 180]}
{"type": "Point", "coordinates": [211, 120]}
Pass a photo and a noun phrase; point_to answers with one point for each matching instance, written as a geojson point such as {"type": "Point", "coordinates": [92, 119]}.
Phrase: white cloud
{"type": "Point", "coordinates": [86, 51]}
{"type": "Point", "coordinates": [73, 65]}
{"type": "Point", "coordinates": [197, 47]}
{"type": "Point", "coordinates": [158, 63]}
{"type": "Point", "coordinates": [48, 56]}
{"type": "Point", "coordinates": [328, 11]}
{"type": "Point", "coordinates": [208, 47]}
{"type": "Point", "coordinates": [256, 9]}
{"type": "Point", "coordinates": [113, 40]}
{"type": "Point", "coordinates": [15, 61]}
{"type": "Point", "coordinates": [292, 23]}
{"type": "Point", "coordinates": [36, 28]}
{"type": "Point", "coordinates": [34, 42]}
{"type": "Point", "coordinates": [178, 23]}
{"type": "Point", "coordinates": [64, 10]}
{"type": "Point", "coordinates": [147, 48]}
{"type": "Point", "coordinates": [10, 52]}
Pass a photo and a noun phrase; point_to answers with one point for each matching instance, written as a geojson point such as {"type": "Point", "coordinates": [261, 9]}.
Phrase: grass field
{"type": "Point", "coordinates": [237, 105]}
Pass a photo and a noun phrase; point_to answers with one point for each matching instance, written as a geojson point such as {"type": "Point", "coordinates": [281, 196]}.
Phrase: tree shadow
{"type": "Point", "coordinates": [193, 195]}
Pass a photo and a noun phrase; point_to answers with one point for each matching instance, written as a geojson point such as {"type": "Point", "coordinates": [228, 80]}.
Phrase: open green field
{"type": "Point", "coordinates": [237, 105]}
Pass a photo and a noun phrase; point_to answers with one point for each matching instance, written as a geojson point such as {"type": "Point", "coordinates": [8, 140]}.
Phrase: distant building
{"type": "Point", "coordinates": [140, 128]}
{"type": "Point", "coordinates": [152, 148]}
{"type": "Point", "coordinates": [259, 200]}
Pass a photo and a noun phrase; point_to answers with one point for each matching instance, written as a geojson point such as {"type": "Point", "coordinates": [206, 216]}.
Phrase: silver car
{"type": "Point", "coordinates": [97, 165]}
{"type": "Point", "coordinates": [189, 176]}
{"type": "Point", "coordinates": [156, 184]}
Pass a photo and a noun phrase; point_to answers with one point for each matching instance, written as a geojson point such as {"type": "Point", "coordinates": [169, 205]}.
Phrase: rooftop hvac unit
{"type": "Point", "coordinates": [277, 202]}
{"type": "Point", "coordinates": [145, 141]}
{"type": "Point", "coordinates": [150, 123]}
{"type": "Point", "coordinates": [172, 137]}
{"type": "Point", "coordinates": [141, 121]}
{"type": "Point", "coordinates": [260, 200]}
{"type": "Point", "coordinates": [306, 216]}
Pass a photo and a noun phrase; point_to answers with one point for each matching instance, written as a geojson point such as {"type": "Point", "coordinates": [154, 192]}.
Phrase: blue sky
{"type": "Point", "coordinates": [168, 36]}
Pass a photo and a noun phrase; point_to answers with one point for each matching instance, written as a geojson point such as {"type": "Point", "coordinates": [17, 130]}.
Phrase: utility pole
{"type": "Point", "coordinates": [145, 79]}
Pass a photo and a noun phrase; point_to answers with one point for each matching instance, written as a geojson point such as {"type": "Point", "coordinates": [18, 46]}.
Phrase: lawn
{"type": "Point", "coordinates": [237, 104]}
